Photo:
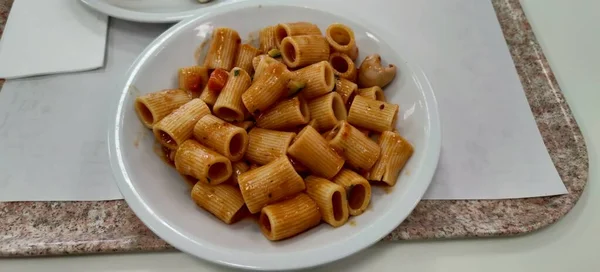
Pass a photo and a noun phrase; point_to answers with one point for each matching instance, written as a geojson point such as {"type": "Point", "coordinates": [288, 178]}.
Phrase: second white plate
{"type": "Point", "coordinates": [152, 11]}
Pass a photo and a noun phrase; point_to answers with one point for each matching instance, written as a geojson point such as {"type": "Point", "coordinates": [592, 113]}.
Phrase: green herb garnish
{"type": "Point", "coordinates": [274, 53]}
{"type": "Point", "coordinates": [236, 73]}
{"type": "Point", "coordinates": [295, 86]}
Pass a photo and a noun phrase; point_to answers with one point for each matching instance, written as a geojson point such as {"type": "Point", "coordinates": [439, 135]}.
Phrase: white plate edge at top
{"type": "Point", "coordinates": [147, 17]}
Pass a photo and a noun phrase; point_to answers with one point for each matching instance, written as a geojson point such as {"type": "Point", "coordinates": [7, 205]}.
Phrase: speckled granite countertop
{"type": "Point", "coordinates": [53, 228]}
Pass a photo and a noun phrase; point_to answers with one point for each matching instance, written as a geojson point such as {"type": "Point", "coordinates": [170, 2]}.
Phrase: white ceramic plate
{"type": "Point", "coordinates": [157, 194]}
{"type": "Point", "coordinates": [152, 11]}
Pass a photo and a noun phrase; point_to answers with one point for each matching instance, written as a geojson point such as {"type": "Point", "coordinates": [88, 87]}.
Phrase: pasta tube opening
{"type": "Point", "coordinates": [356, 196]}
{"type": "Point", "coordinates": [339, 109]}
{"type": "Point", "coordinates": [341, 39]}
{"type": "Point", "coordinates": [237, 144]}
{"type": "Point", "coordinates": [166, 139]}
{"type": "Point", "coordinates": [343, 66]}
{"type": "Point", "coordinates": [339, 64]}
{"type": "Point", "coordinates": [289, 51]}
{"type": "Point", "coordinates": [340, 35]}
{"type": "Point", "coordinates": [218, 171]}
{"type": "Point", "coordinates": [375, 93]}
{"type": "Point", "coordinates": [265, 223]}
{"type": "Point", "coordinates": [338, 206]}
{"type": "Point", "coordinates": [144, 112]}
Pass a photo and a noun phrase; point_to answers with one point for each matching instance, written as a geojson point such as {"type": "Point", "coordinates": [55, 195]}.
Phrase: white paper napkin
{"type": "Point", "coordinates": [51, 36]}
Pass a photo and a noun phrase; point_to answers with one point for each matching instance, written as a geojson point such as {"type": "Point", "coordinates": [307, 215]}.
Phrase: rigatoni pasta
{"type": "Point", "coordinates": [343, 66]}
{"type": "Point", "coordinates": [287, 114]}
{"type": "Point", "coordinates": [284, 30]}
{"type": "Point", "coordinates": [331, 199]}
{"type": "Point", "coordinates": [229, 140]}
{"type": "Point", "coordinates": [262, 62]}
{"type": "Point", "coordinates": [358, 190]}
{"type": "Point", "coordinates": [318, 78]}
{"type": "Point", "coordinates": [372, 114]}
{"type": "Point", "coordinates": [223, 49]}
{"type": "Point", "coordinates": [359, 151]}
{"type": "Point", "coordinates": [375, 93]}
{"type": "Point", "coordinates": [288, 218]}
{"type": "Point", "coordinates": [300, 51]}
{"type": "Point", "coordinates": [178, 126]}
{"type": "Point", "coordinates": [267, 117]}
{"type": "Point", "coordinates": [395, 153]}
{"type": "Point", "coordinates": [341, 38]}
{"type": "Point", "coordinates": [208, 166]}
{"type": "Point", "coordinates": [237, 168]}
{"type": "Point", "coordinates": [153, 107]}
{"type": "Point", "coordinates": [266, 145]}
{"type": "Point", "coordinates": [268, 38]}
{"type": "Point", "coordinates": [229, 105]}
{"type": "Point", "coordinates": [209, 96]}
{"type": "Point", "coordinates": [269, 87]}
{"type": "Point", "coordinates": [347, 90]}
{"type": "Point", "coordinates": [312, 150]}
{"type": "Point", "coordinates": [327, 111]}
{"type": "Point", "coordinates": [245, 55]}
{"type": "Point", "coordinates": [270, 183]}
{"type": "Point", "coordinates": [193, 79]}
{"type": "Point", "coordinates": [223, 201]}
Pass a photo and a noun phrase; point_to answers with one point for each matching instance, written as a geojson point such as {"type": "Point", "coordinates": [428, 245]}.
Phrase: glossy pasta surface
{"type": "Point", "coordinates": [279, 129]}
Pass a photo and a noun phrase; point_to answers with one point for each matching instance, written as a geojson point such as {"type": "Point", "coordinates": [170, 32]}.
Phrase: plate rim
{"type": "Point", "coordinates": [146, 17]}
{"type": "Point", "coordinates": [334, 252]}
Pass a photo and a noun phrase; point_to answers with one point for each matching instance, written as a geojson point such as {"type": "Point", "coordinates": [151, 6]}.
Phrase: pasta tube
{"type": "Point", "coordinates": [318, 78]}
{"type": "Point", "coordinates": [270, 183]}
{"type": "Point", "coordinates": [295, 29]}
{"type": "Point", "coordinates": [395, 152]}
{"type": "Point", "coordinates": [287, 114]}
{"type": "Point", "coordinates": [359, 151]}
{"type": "Point", "coordinates": [269, 87]}
{"type": "Point", "coordinates": [372, 115]}
{"type": "Point", "coordinates": [263, 62]}
{"type": "Point", "coordinates": [331, 199]}
{"type": "Point", "coordinates": [153, 107]}
{"type": "Point", "coordinates": [223, 49]}
{"type": "Point", "coordinates": [267, 38]}
{"type": "Point", "coordinates": [347, 90]}
{"type": "Point", "coordinates": [375, 93]}
{"type": "Point", "coordinates": [244, 57]}
{"type": "Point", "coordinates": [192, 79]}
{"type": "Point", "coordinates": [225, 138]}
{"type": "Point", "coordinates": [223, 201]}
{"type": "Point", "coordinates": [288, 218]}
{"type": "Point", "coordinates": [202, 163]}
{"type": "Point", "coordinates": [266, 145]}
{"type": "Point", "coordinates": [327, 110]}
{"type": "Point", "coordinates": [237, 168]}
{"type": "Point", "coordinates": [358, 190]}
{"type": "Point", "coordinates": [311, 149]}
{"type": "Point", "coordinates": [341, 38]}
{"type": "Point", "coordinates": [300, 51]}
{"type": "Point", "coordinates": [178, 126]}
{"type": "Point", "coordinates": [343, 66]}
{"type": "Point", "coordinates": [229, 105]}
{"type": "Point", "coordinates": [209, 96]}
